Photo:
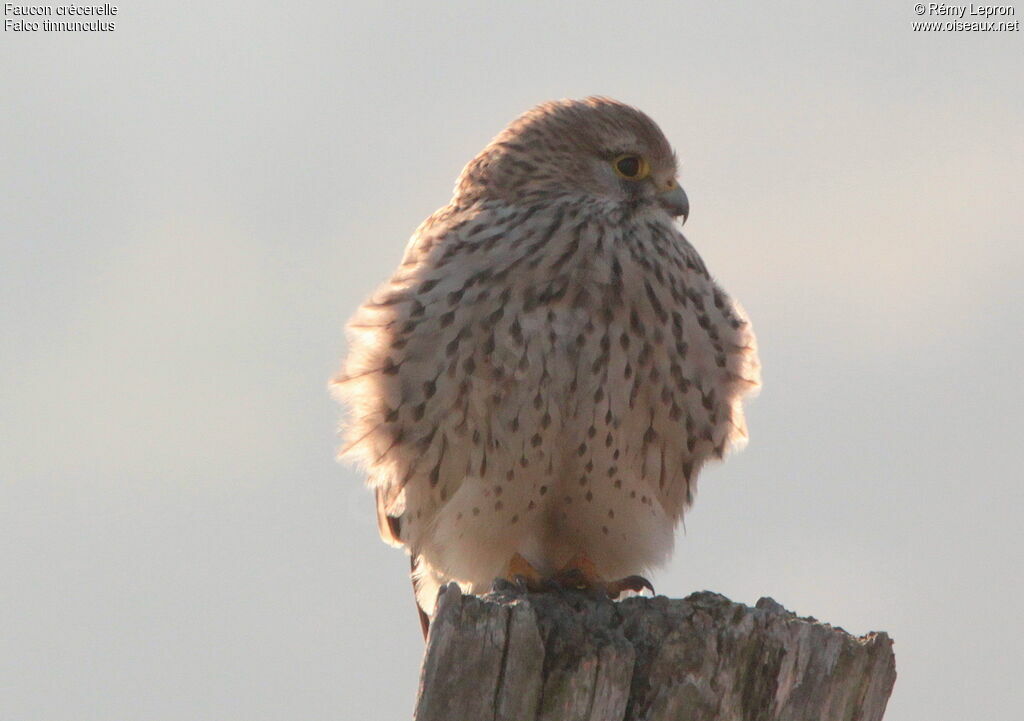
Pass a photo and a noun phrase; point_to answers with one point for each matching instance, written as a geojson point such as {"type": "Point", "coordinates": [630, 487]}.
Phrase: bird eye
{"type": "Point", "coordinates": [631, 167]}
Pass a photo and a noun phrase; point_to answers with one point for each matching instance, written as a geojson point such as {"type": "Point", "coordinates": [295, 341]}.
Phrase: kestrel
{"type": "Point", "coordinates": [535, 390]}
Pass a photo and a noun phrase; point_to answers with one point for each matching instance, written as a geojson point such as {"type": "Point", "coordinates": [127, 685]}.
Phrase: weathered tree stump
{"type": "Point", "coordinates": [510, 656]}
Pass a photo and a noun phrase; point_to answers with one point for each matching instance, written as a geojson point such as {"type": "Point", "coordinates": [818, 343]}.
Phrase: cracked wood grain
{"type": "Point", "coordinates": [512, 656]}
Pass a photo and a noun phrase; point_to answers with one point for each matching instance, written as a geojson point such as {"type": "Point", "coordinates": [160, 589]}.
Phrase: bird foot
{"type": "Point", "coordinates": [580, 574]}
{"type": "Point", "coordinates": [523, 575]}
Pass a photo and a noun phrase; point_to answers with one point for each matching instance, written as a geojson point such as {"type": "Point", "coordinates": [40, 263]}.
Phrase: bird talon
{"type": "Point", "coordinates": [523, 575]}
{"type": "Point", "coordinates": [630, 583]}
{"type": "Point", "coordinates": [504, 585]}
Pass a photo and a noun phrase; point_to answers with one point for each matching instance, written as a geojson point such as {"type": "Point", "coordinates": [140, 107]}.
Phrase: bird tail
{"type": "Point", "coordinates": [424, 618]}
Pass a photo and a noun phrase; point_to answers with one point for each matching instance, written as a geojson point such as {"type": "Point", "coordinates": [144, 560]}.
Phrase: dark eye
{"type": "Point", "coordinates": [631, 167]}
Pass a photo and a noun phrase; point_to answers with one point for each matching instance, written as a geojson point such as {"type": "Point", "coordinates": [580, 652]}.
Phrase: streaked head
{"type": "Point", "coordinates": [597, 147]}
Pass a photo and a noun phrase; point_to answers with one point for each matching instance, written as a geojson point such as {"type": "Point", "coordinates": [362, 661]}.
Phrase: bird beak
{"type": "Point", "coordinates": [673, 199]}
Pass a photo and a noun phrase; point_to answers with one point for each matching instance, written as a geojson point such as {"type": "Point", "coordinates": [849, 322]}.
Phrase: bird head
{"type": "Point", "coordinates": [597, 148]}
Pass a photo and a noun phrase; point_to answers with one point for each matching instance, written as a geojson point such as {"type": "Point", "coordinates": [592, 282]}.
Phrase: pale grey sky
{"type": "Point", "coordinates": [192, 205]}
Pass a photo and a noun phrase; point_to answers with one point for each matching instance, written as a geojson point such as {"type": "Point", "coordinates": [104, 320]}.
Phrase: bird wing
{"type": "Point", "coordinates": [409, 376]}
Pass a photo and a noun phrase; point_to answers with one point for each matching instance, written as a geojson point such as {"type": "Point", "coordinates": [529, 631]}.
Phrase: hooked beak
{"type": "Point", "coordinates": [673, 199]}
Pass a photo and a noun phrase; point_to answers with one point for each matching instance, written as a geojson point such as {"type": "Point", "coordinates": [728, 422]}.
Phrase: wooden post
{"type": "Point", "coordinates": [511, 656]}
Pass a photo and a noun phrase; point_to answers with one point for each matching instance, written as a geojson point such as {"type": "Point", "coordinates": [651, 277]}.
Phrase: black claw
{"type": "Point", "coordinates": [630, 583]}
{"type": "Point", "coordinates": [503, 585]}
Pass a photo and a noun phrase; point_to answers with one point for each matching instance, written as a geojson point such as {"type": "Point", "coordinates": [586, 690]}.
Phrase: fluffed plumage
{"type": "Point", "coordinates": [551, 364]}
